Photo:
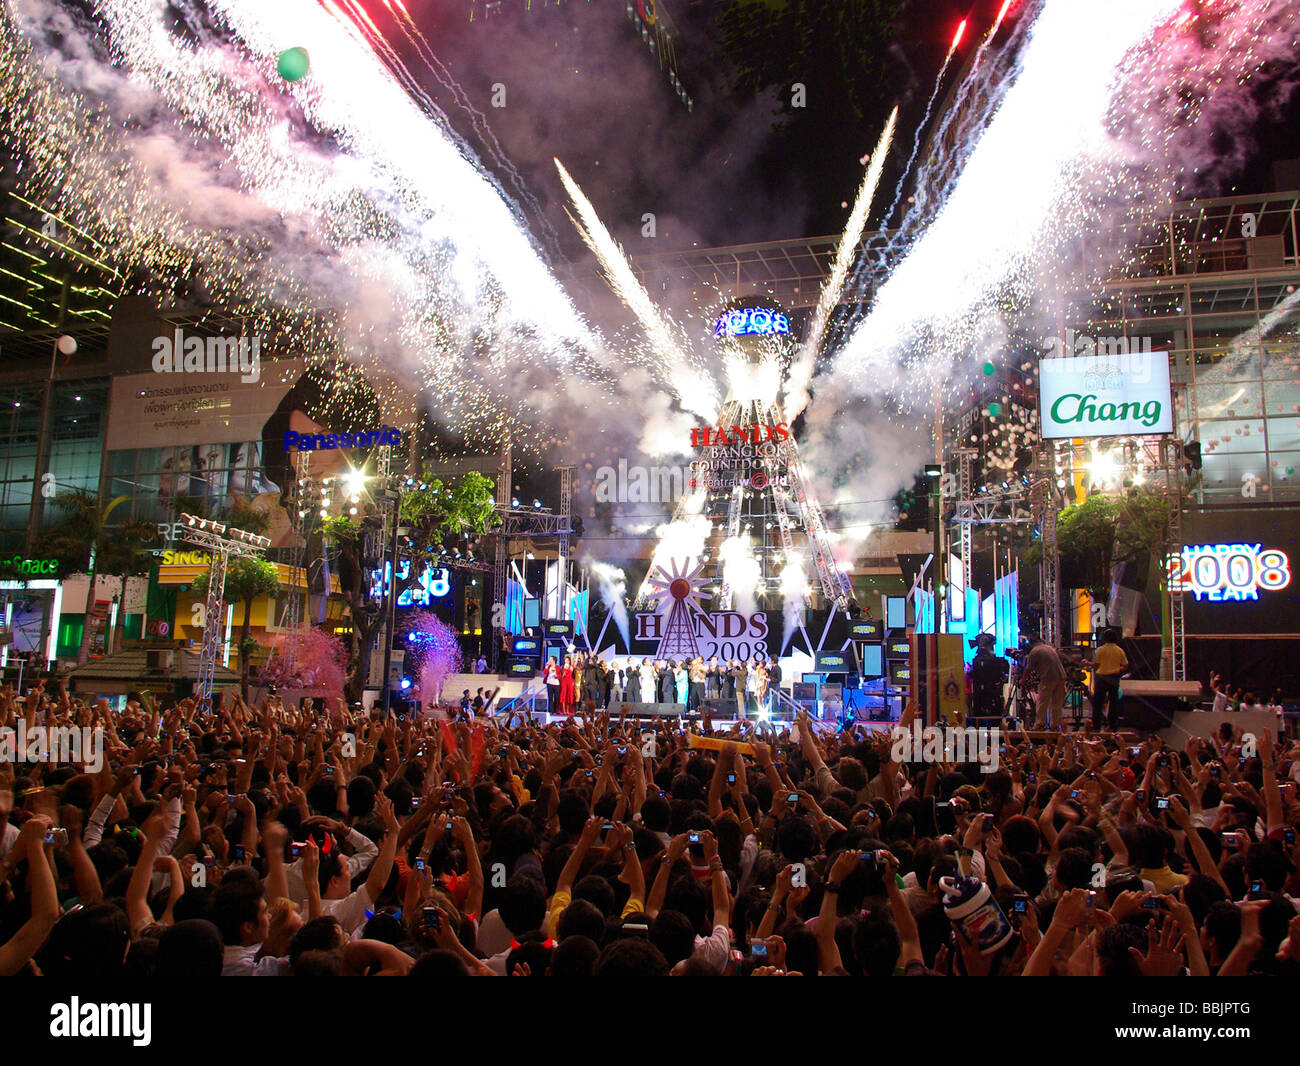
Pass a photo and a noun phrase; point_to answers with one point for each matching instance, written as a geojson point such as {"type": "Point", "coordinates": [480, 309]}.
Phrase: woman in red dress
{"type": "Point", "coordinates": [566, 687]}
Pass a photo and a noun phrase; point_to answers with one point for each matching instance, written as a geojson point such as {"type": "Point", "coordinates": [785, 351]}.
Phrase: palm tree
{"type": "Point", "coordinates": [84, 542]}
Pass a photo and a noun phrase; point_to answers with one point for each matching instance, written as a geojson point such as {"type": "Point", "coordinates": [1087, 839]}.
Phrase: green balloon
{"type": "Point", "coordinates": [989, 370]}
{"type": "Point", "coordinates": [995, 409]}
{"type": "Point", "coordinates": [293, 64]}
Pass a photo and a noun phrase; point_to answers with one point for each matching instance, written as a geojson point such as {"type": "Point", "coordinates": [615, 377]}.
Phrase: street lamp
{"type": "Point", "coordinates": [934, 472]}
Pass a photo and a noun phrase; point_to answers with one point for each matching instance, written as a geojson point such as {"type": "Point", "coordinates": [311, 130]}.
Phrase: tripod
{"type": "Point", "coordinates": [1022, 702]}
{"type": "Point", "coordinates": [1075, 693]}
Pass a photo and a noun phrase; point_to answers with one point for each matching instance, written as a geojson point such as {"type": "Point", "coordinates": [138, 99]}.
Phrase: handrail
{"type": "Point", "coordinates": [529, 695]}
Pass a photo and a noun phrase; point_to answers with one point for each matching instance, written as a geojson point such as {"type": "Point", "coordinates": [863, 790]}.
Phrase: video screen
{"type": "Point", "coordinates": [872, 660]}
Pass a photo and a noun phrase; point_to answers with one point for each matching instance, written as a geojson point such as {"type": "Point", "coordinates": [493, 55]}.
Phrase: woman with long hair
{"type": "Point", "coordinates": [757, 686]}
{"type": "Point", "coordinates": [567, 686]}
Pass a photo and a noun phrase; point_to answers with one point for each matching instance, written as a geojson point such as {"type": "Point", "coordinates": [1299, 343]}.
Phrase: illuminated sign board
{"type": "Point", "coordinates": [751, 322]}
{"type": "Point", "coordinates": [317, 442]}
{"type": "Point", "coordinates": [559, 628]}
{"type": "Point", "coordinates": [866, 629]}
{"type": "Point", "coordinates": [832, 662]}
{"type": "Point", "coordinates": [32, 567]}
{"type": "Point", "coordinates": [1223, 573]}
{"type": "Point", "coordinates": [1105, 395]}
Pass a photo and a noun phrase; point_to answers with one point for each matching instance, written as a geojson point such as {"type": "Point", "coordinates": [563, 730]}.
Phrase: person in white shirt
{"type": "Point", "coordinates": [363, 854]}
{"type": "Point", "coordinates": [337, 896]}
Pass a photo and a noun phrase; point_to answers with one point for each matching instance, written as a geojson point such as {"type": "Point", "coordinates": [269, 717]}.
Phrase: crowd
{"type": "Point", "coordinates": [265, 840]}
{"type": "Point", "coordinates": [586, 681]}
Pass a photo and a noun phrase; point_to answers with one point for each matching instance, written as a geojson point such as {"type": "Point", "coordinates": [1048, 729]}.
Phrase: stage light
{"type": "Point", "coordinates": [354, 483]}
{"type": "Point", "coordinates": [933, 470]}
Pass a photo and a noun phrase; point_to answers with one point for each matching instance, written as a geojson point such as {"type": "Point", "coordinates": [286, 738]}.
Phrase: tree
{"type": "Point", "coordinates": [344, 534]}
{"type": "Point", "coordinates": [246, 579]}
{"type": "Point", "coordinates": [431, 514]}
{"type": "Point", "coordinates": [1104, 530]}
{"type": "Point", "coordinates": [84, 542]}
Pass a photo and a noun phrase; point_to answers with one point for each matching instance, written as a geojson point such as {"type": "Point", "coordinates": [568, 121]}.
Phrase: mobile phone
{"type": "Point", "coordinates": [758, 949]}
{"type": "Point", "coordinates": [295, 849]}
{"type": "Point", "coordinates": [1140, 795]}
{"type": "Point", "coordinates": [238, 850]}
{"type": "Point", "coordinates": [419, 865]}
{"type": "Point", "coordinates": [693, 837]}
{"type": "Point", "coordinates": [792, 798]}
{"type": "Point", "coordinates": [1075, 793]}
{"type": "Point", "coordinates": [135, 772]}
{"type": "Point", "coordinates": [1031, 778]}
{"type": "Point", "coordinates": [1151, 903]}
{"type": "Point", "coordinates": [1162, 804]}
{"type": "Point", "coordinates": [591, 773]}
{"type": "Point", "coordinates": [1020, 905]}
{"type": "Point", "coordinates": [1163, 760]}
{"type": "Point", "coordinates": [622, 749]}
{"type": "Point", "coordinates": [1229, 840]}
{"type": "Point", "coordinates": [607, 827]}
{"type": "Point", "coordinates": [447, 826]}
{"type": "Point", "coordinates": [431, 920]}
{"type": "Point", "coordinates": [1257, 889]}
{"type": "Point", "coordinates": [56, 836]}
{"type": "Point", "coordinates": [731, 779]}
{"type": "Point", "coordinates": [415, 802]}
{"type": "Point", "coordinates": [988, 823]}
{"type": "Point", "coordinates": [1092, 899]}
{"type": "Point", "coordinates": [1214, 769]}
{"type": "Point", "coordinates": [1134, 752]}
{"type": "Point", "coordinates": [329, 771]}
{"type": "Point", "coordinates": [1288, 835]}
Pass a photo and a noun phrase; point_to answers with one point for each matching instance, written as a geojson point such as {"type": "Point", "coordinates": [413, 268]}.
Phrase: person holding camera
{"type": "Point", "coordinates": [1045, 663]}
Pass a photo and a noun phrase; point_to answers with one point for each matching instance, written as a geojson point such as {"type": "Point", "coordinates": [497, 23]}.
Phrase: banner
{"type": "Point", "coordinates": [1108, 395]}
{"type": "Point", "coordinates": [171, 410]}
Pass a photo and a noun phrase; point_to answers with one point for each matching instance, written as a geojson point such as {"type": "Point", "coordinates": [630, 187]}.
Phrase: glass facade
{"type": "Point", "coordinates": [156, 483]}
{"type": "Point", "coordinates": [79, 416]}
{"type": "Point", "coordinates": [1225, 308]}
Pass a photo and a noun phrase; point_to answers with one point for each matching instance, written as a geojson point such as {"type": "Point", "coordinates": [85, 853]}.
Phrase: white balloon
{"type": "Point", "coordinates": [66, 345]}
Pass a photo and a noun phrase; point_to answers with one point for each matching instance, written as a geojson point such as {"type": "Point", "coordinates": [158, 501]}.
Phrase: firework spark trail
{"type": "Point", "coordinates": [334, 197]}
{"type": "Point", "coordinates": [932, 171]}
{"type": "Point", "coordinates": [694, 390]}
{"type": "Point", "coordinates": [487, 138]}
{"type": "Point", "coordinates": [925, 119]}
{"type": "Point", "coordinates": [1013, 194]}
{"type": "Point", "coordinates": [805, 361]}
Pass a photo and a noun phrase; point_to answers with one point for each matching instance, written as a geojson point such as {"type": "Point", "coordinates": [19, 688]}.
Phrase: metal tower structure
{"type": "Point", "coordinates": [749, 480]}
{"type": "Point", "coordinates": [222, 542]}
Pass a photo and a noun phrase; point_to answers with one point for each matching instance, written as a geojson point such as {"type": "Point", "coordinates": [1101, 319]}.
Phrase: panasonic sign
{"type": "Point", "coordinates": [1110, 395]}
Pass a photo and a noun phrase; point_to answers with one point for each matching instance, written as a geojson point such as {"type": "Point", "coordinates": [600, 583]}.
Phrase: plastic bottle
{"type": "Point", "coordinates": [969, 903]}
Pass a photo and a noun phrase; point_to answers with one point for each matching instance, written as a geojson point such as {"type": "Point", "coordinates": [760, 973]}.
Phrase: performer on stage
{"type": "Point", "coordinates": [567, 690]}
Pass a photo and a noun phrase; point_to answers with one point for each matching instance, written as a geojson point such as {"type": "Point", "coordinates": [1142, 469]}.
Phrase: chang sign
{"type": "Point", "coordinates": [1105, 395]}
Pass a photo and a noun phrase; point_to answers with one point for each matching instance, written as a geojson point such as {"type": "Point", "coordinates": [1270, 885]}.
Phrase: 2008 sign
{"type": "Point", "coordinates": [1227, 572]}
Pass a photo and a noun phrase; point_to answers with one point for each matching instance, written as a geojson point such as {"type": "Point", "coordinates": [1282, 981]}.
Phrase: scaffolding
{"type": "Point", "coordinates": [221, 542]}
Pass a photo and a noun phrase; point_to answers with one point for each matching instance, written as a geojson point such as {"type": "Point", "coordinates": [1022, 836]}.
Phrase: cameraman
{"type": "Point", "coordinates": [988, 673]}
{"type": "Point", "coordinates": [1044, 661]}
